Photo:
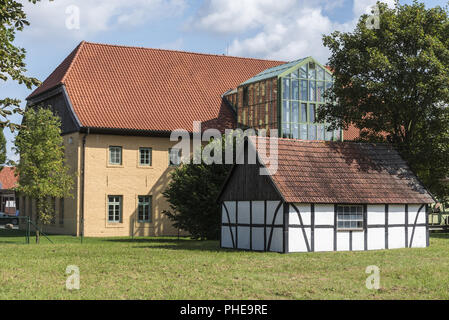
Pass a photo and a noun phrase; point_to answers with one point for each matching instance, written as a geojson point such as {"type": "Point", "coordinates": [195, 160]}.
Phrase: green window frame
{"type": "Point", "coordinates": [144, 209]}
{"type": "Point", "coordinates": [300, 98]}
{"type": "Point", "coordinates": [115, 209]}
{"type": "Point", "coordinates": [115, 155]}
{"type": "Point", "coordinates": [145, 156]}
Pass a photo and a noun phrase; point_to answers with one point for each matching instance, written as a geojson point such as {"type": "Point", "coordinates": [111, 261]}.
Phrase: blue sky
{"type": "Point", "coordinates": [276, 29]}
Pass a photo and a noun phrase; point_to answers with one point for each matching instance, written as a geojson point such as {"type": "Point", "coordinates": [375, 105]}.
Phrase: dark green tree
{"type": "Point", "coordinates": [2, 149]}
{"type": "Point", "coordinates": [42, 169]}
{"type": "Point", "coordinates": [393, 84]}
{"type": "Point", "coordinates": [192, 194]}
{"type": "Point", "coordinates": [12, 58]}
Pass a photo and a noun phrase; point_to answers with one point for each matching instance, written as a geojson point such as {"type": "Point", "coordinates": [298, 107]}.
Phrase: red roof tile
{"type": "Point", "coordinates": [8, 180]}
{"type": "Point", "coordinates": [344, 172]}
{"type": "Point", "coordinates": [150, 89]}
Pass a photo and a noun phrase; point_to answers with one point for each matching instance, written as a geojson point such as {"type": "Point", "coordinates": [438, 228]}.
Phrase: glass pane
{"type": "Point", "coordinates": [295, 89]}
{"type": "Point", "coordinates": [312, 74]}
{"type": "Point", "coordinates": [312, 90]}
{"type": "Point", "coordinates": [311, 112]}
{"type": "Point", "coordinates": [303, 72]}
{"type": "Point", "coordinates": [303, 112]}
{"type": "Point", "coordinates": [312, 132]}
{"type": "Point", "coordinates": [320, 73]}
{"type": "Point", "coordinates": [329, 135]}
{"type": "Point", "coordinates": [295, 74]}
{"type": "Point", "coordinates": [304, 90]}
{"type": "Point", "coordinates": [286, 88]}
{"type": "Point", "coordinates": [328, 76]}
{"type": "Point", "coordinates": [295, 111]}
{"type": "Point", "coordinates": [286, 130]}
{"type": "Point", "coordinates": [337, 135]}
{"type": "Point", "coordinates": [286, 111]}
{"type": "Point", "coordinates": [303, 132]}
{"type": "Point", "coordinates": [320, 130]}
{"type": "Point", "coordinates": [295, 129]}
{"type": "Point", "coordinates": [320, 91]}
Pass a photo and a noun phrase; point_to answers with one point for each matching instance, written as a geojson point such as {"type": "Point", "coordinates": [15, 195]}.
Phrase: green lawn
{"type": "Point", "coordinates": [165, 268]}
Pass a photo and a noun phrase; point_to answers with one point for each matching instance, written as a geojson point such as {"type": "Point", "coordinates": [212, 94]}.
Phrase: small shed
{"type": "Point", "coordinates": [324, 196]}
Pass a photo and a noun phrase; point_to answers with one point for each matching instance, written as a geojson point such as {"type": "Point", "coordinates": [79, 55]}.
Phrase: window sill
{"type": "Point", "coordinates": [114, 225]}
{"type": "Point", "coordinates": [349, 229]}
{"type": "Point", "coordinates": [144, 167]}
{"type": "Point", "coordinates": [114, 166]}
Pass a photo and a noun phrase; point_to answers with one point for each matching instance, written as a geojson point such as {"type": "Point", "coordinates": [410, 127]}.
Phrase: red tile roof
{"type": "Point", "coordinates": [344, 172]}
{"type": "Point", "coordinates": [8, 180]}
{"type": "Point", "coordinates": [150, 89]}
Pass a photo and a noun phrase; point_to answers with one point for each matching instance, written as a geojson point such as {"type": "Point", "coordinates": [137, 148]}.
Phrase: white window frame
{"type": "Point", "coordinates": [113, 157]}
{"type": "Point", "coordinates": [350, 217]}
{"type": "Point", "coordinates": [115, 201]}
{"type": "Point", "coordinates": [150, 156]}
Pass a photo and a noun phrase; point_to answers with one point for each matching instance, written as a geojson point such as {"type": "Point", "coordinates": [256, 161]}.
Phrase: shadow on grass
{"type": "Point", "coordinates": [172, 244]}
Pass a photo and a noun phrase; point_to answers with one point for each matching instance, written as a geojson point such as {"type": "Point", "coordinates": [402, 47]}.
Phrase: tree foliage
{"type": "Point", "coordinates": [42, 170]}
{"type": "Point", "coordinates": [12, 58]}
{"type": "Point", "coordinates": [2, 149]}
{"type": "Point", "coordinates": [192, 195]}
{"type": "Point", "coordinates": [393, 84]}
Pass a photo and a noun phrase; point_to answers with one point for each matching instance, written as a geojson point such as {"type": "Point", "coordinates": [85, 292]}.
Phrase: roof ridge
{"type": "Point", "coordinates": [78, 50]}
{"type": "Point", "coordinates": [180, 51]}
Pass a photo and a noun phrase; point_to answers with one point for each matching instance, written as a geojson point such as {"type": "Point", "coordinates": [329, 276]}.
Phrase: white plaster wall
{"type": "Point", "coordinates": [376, 238]}
{"type": "Point", "coordinates": [231, 209]}
{"type": "Point", "coordinates": [358, 241]}
{"type": "Point", "coordinates": [271, 208]}
{"type": "Point", "coordinates": [375, 214]}
{"type": "Point", "coordinates": [419, 238]}
{"type": "Point", "coordinates": [324, 239]}
{"type": "Point", "coordinates": [243, 212]}
{"type": "Point", "coordinates": [277, 240]}
{"type": "Point", "coordinates": [324, 214]}
{"type": "Point", "coordinates": [226, 240]}
{"type": "Point", "coordinates": [413, 212]}
{"type": "Point", "coordinates": [258, 239]}
{"type": "Point", "coordinates": [396, 214]}
{"type": "Point", "coordinates": [296, 241]}
{"type": "Point", "coordinates": [258, 212]}
{"type": "Point", "coordinates": [343, 241]}
{"type": "Point", "coordinates": [305, 210]}
{"type": "Point", "coordinates": [244, 238]}
{"type": "Point", "coordinates": [396, 237]}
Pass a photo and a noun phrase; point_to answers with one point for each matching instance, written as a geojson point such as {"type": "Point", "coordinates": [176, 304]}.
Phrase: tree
{"type": "Point", "coordinates": [2, 149]}
{"type": "Point", "coordinates": [192, 194]}
{"type": "Point", "coordinates": [393, 84]}
{"type": "Point", "coordinates": [12, 58]}
{"type": "Point", "coordinates": [42, 170]}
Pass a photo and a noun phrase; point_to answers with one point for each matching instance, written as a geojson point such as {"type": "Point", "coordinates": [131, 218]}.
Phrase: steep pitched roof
{"type": "Point", "coordinates": [149, 89]}
{"type": "Point", "coordinates": [343, 172]}
{"type": "Point", "coordinates": [8, 179]}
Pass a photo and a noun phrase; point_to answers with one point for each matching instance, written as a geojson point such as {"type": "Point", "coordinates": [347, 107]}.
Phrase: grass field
{"type": "Point", "coordinates": [165, 268]}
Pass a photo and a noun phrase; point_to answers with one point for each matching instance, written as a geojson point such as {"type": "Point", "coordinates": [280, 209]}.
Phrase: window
{"type": "Point", "coordinates": [144, 209]}
{"type": "Point", "coordinates": [145, 156]}
{"type": "Point", "coordinates": [115, 209]}
{"type": "Point", "coordinates": [350, 217]}
{"type": "Point", "coordinates": [115, 155]}
{"type": "Point", "coordinates": [174, 156]}
{"type": "Point", "coordinates": [61, 211]}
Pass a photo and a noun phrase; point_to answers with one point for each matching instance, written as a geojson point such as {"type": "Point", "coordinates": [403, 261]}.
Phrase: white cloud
{"type": "Point", "coordinates": [275, 29]}
{"type": "Point", "coordinates": [49, 18]}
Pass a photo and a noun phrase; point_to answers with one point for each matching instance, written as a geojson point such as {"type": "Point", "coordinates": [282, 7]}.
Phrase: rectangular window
{"type": "Point", "coordinates": [285, 111]}
{"type": "Point", "coordinates": [115, 155]}
{"type": "Point", "coordinates": [320, 91]}
{"type": "Point", "coordinates": [61, 211]}
{"type": "Point", "coordinates": [303, 112]}
{"type": "Point", "coordinates": [311, 113]}
{"type": "Point", "coordinates": [304, 87]}
{"type": "Point", "coordinates": [295, 90]}
{"type": "Point", "coordinates": [312, 91]}
{"type": "Point", "coordinates": [144, 209]}
{"type": "Point", "coordinates": [350, 217]}
{"type": "Point", "coordinates": [145, 156]}
{"type": "Point", "coordinates": [286, 88]}
{"type": "Point", "coordinates": [115, 209]}
{"type": "Point", "coordinates": [303, 132]}
{"type": "Point", "coordinates": [174, 157]}
{"type": "Point", "coordinates": [295, 111]}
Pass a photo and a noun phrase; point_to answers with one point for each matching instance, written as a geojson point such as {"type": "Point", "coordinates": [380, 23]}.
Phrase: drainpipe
{"type": "Point", "coordinates": [82, 183]}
